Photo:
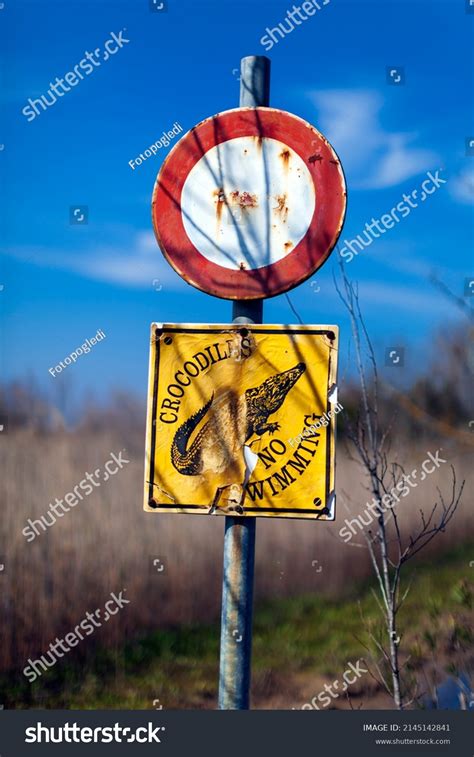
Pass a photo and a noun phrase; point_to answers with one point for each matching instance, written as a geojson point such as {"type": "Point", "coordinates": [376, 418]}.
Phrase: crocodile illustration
{"type": "Point", "coordinates": [232, 421]}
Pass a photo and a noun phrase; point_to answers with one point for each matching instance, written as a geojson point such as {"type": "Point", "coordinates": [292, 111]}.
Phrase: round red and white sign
{"type": "Point", "coordinates": [249, 203]}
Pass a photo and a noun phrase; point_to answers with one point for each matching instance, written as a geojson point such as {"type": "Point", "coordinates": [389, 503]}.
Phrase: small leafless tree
{"type": "Point", "coordinates": [388, 548]}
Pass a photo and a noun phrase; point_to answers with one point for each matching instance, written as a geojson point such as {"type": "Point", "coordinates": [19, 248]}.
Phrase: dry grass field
{"type": "Point", "coordinates": [106, 543]}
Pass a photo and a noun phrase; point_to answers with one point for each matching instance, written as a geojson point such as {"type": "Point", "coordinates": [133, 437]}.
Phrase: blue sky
{"type": "Point", "coordinates": [63, 282]}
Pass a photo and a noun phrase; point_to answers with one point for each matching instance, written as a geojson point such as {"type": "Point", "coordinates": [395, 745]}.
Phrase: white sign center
{"type": "Point", "coordinates": [248, 202]}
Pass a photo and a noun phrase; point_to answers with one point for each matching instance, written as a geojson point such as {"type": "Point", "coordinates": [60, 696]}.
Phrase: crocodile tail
{"type": "Point", "coordinates": [189, 461]}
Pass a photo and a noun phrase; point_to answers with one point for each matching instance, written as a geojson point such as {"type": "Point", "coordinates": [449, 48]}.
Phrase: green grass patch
{"type": "Point", "coordinates": [310, 633]}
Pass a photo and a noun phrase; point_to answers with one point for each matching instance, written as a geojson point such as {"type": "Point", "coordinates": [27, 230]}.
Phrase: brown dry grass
{"type": "Point", "coordinates": [106, 543]}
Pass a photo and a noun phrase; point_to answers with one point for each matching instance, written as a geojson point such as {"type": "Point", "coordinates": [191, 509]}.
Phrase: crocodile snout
{"type": "Point", "coordinates": [295, 373]}
{"type": "Point", "coordinates": [288, 378]}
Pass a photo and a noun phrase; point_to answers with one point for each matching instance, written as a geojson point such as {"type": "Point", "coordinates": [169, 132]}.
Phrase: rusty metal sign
{"type": "Point", "coordinates": [249, 203]}
{"type": "Point", "coordinates": [241, 420]}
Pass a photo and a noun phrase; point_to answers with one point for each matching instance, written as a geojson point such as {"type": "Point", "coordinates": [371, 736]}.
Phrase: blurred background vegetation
{"type": "Point", "coordinates": [164, 644]}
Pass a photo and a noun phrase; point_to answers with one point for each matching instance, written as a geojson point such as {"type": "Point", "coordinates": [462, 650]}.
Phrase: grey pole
{"type": "Point", "coordinates": [254, 92]}
{"type": "Point", "coordinates": [239, 538]}
{"type": "Point", "coordinates": [254, 81]}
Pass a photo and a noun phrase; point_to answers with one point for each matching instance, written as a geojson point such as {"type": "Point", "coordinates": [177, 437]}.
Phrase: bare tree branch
{"type": "Point", "coordinates": [385, 544]}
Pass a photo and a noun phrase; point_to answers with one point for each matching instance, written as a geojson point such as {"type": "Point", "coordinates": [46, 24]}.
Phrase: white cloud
{"type": "Point", "coordinates": [371, 157]}
{"type": "Point", "coordinates": [136, 262]}
{"type": "Point", "coordinates": [462, 186]}
{"type": "Point", "coordinates": [403, 297]}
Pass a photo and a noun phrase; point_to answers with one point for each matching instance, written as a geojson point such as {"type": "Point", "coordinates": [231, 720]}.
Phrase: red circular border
{"type": "Point", "coordinates": [308, 255]}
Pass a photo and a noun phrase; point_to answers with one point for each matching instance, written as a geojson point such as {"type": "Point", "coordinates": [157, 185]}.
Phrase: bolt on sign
{"type": "Point", "coordinates": [241, 420]}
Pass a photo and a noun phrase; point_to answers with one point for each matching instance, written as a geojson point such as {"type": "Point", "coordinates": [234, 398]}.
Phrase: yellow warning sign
{"type": "Point", "coordinates": [241, 420]}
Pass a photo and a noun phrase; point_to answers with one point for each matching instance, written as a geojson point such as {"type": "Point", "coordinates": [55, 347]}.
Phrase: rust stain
{"type": "Point", "coordinates": [314, 158]}
{"type": "Point", "coordinates": [288, 245]}
{"type": "Point", "coordinates": [336, 162]}
{"type": "Point", "coordinates": [259, 141]}
{"type": "Point", "coordinates": [285, 156]}
{"type": "Point", "coordinates": [281, 200]}
{"type": "Point", "coordinates": [220, 201]}
{"type": "Point", "coordinates": [282, 207]}
{"type": "Point", "coordinates": [243, 199]}
{"type": "Point", "coordinates": [242, 266]}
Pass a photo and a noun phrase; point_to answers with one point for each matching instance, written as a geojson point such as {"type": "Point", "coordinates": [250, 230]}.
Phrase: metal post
{"type": "Point", "coordinates": [239, 539]}
{"type": "Point", "coordinates": [254, 81]}
{"type": "Point", "coordinates": [237, 604]}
